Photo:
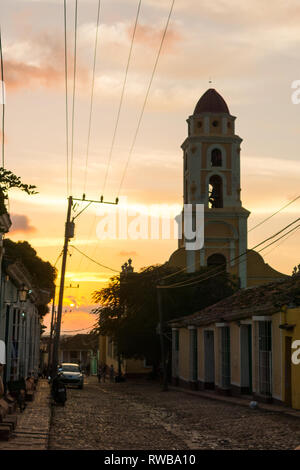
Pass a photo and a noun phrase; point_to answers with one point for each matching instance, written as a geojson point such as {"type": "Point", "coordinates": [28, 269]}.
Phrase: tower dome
{"type": "Point", "coordinates": [211, 102]}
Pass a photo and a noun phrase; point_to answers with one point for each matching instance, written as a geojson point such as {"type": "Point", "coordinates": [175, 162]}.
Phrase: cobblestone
{"type": "Point", "coordinates": [138, 415]}
{"type": "Point", "coordinates": [33, 425]}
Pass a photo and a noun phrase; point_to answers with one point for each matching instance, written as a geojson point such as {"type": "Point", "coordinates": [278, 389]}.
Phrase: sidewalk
{"type": "Point", "coordinates": [33, 426]}
{"type": "Point", "coordinates": [239, 401]}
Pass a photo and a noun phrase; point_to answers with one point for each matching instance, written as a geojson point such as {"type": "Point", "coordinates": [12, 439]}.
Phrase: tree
{"type": "Point", "coordinates": [296, 270]}
{"type": "Point", "coordinates": [128, 309]}
{"type": "Point", "coordinates": [9, 180]}
{"type": "Point", "coordinates": [43, 274]}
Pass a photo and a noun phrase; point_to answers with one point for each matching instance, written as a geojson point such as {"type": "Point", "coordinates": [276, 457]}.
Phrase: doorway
{"type": "Point", "coordinates": [246, 358]}
{"type": "Point", "coordinates": [209, 359]}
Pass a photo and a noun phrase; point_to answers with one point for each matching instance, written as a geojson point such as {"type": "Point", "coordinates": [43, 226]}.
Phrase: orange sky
{"type": "Point", "coordinates": [251, 51]}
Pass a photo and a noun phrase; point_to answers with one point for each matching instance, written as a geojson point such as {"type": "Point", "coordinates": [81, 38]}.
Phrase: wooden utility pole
{"type": "Point", "coordinates": [69, 233]}
{"type": "Point", "coordinates": [161, 334]}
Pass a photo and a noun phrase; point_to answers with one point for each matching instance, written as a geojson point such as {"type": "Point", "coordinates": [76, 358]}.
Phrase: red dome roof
{"type": "Point", "coordinates": [211, 102]}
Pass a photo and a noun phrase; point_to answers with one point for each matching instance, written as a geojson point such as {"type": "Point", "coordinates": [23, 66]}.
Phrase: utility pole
{"type": "Point", "coordinates": [161, 334]}
{"type": "Point", "coordinates": [127, 268]}
{"type": "Point", "coordinates": [69, 233]}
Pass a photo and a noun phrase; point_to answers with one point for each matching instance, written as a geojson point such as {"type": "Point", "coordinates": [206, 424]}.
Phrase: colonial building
{"type": "Point", "coordinates": [20, 320]}
{"type": "Point", "coordinates": [248, 343]}
{"type": "Point", "coordinates": [212, 177]}
{"type": "Point", "coordinates": [129, 367]}
{"type": "Point", "coordinates": [81, 349]}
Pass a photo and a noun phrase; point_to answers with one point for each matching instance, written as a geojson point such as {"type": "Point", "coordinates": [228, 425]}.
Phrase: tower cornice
{"type": "Point", "coordinates": [213, 139]}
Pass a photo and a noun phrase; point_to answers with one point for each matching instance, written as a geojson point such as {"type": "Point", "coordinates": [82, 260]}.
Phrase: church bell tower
{"type": "Point", "coordinates": [211, 169]}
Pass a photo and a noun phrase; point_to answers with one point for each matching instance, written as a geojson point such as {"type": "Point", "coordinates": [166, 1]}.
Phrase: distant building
{"type": "Point", "coordinates": [243, 344]}
{"type": "Point", "coordinates": [129, 367]}
{"type": "Point", "coordinates": [81, 349]}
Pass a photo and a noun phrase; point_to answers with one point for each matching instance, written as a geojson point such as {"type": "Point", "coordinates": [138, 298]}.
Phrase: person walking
{"type": "Point", "coordinates": [104, 372]}
{"type": "Point", "coordinates": [111, 373]}
{"type": "Point", "coordinates": [99, 374]}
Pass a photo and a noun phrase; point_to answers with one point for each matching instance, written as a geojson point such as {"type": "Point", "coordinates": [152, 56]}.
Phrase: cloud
{"type": "Point", "coordinates": [21, 223]}
{"type": "Point", "coordinates": [38, 61]}
{"type": "Point", "coordinates": [151, 36]}
{"type": "Point", "coordinates": [128, 253]}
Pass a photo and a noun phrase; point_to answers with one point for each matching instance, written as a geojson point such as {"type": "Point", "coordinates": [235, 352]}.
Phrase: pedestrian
{"type": "Point", "coordinates": [104, 372]}
{"type": "Point", "coordinates": [111, 373]}
{"type": "Point", "coordinates": [99, 374]}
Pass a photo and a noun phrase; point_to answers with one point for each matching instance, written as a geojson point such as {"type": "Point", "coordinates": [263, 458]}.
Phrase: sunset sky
{"type": "Point", "coordinates": [250, 51]}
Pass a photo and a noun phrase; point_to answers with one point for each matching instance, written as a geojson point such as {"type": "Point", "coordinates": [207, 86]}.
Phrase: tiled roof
{"type": "Point", "coordinates": [79, 342]}
{"type": "Point", "coordinates": [261, 300]}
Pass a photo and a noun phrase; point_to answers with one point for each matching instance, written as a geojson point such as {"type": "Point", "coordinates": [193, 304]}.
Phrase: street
{"type": "Point", "coordinates": [138, 415]}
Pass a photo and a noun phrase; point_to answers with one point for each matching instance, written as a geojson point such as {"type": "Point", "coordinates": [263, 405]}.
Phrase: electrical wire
{"type": "Point", "coordinates": [92, 97]}
{"type": "Point", "coordinates": [74, 89]}
{"type": "Point", "coordinates": [3, 99]}
{"type": "Point", "coordinates": [94, 261]}
{"type": "Point", "coordinates": [274, 248]}
{"type": "Point", "coordinates": [146, 99]}
{"type": "Point", "coordinates": [279, 210]}
{"type": "Point", "coordinates": [233, 259]}
{"type": "Point", "coordinates": [117, 118]}
{"type": "Point", "coordinates": [81, 329]}
{"type": "Point", "coordinates": [122, 96]}
{"type": "Point", "coordinates": [216, 271]}
{"type": "Point", "coordinates": [66, 92]}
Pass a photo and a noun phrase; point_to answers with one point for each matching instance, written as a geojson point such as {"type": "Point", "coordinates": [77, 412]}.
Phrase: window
{"type": "Point", "coordinates": [215, 199]}
{"type": "Point", "coordinates": [199, 124]}
{"type": "Point", "coordinates": [216, 157]}
{"type": "Point", "coordinates": [215, 123]}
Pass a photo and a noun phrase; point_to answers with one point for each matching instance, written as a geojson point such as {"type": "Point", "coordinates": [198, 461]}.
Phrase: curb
{"type": "Point", "coordinates": [261, 406]}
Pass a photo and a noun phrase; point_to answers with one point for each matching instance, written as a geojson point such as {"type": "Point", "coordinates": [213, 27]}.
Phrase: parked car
{"type": "Point", "coordinates": [71, 374]}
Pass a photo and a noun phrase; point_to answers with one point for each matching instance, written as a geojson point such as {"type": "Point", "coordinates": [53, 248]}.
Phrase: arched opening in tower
{"type": "Point", "coordinates": [216, 157]}
{"type": "Point", "coordinates": [215, 199]}
{"type": "Point", "coordinates": [217, 260]}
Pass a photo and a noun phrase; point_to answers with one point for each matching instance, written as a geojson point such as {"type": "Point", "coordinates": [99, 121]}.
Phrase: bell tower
{"type": "Point", "coordinates": [211, 169]}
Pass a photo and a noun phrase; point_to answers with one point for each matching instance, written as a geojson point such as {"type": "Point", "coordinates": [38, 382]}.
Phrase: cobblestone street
{"type": "Point", "coordinates": [137, 415]}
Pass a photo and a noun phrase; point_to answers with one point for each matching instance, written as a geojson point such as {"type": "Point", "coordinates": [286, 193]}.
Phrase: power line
{"type": "Point", "coordinates": [122, 96]}
{"type": "Point", "coordinates": [58, 258]}
{"type": "Point", "coordinates": [118, 115]}
{"type": "Point", "coordinates": [266, 254]}
{"type": "Point", "coordinates": [81, 329]}
{"type": "Point", "coordinates": [66, 92]}
{"type": "Point", "coordinates": [216, 271]}
{"type": "Point", "coordinates": [253, 248]}
{"type": "Point", "coordinates": [74, 89]}
{"type": "Point", "coordinates": [94, 261]}
{"type": "Point", "coordinates": [146, 98]}
{"type": "Point", "coordinates": [3, 99]}
{"type": "Point", "coordinates": [92, 97]}
{"type": "Point", "coordinates": [279, 210]}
